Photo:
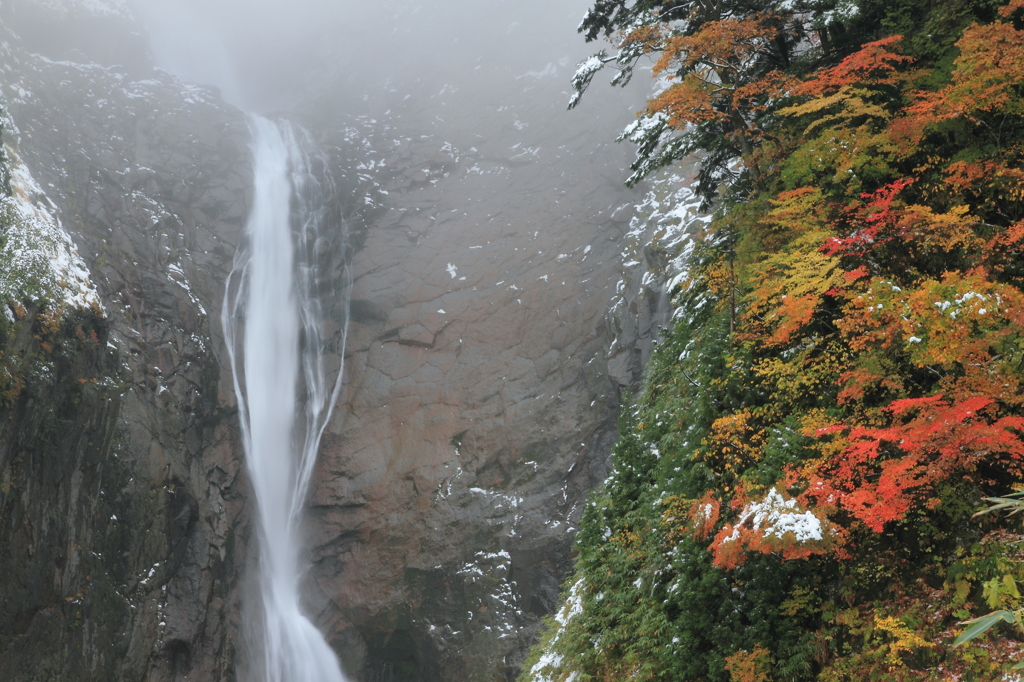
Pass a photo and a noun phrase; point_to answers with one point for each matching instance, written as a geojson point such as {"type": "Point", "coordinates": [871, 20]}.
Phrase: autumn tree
{"type": "Point", "coordinates": [721, 67]}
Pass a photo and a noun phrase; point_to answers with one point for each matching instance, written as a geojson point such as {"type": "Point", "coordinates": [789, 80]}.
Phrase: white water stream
{"type": "Point", "coordinates": [287, 381]}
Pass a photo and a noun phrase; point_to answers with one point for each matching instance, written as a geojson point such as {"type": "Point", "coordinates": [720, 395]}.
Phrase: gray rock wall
{"type": "Point", "coordinates": [60, 604]}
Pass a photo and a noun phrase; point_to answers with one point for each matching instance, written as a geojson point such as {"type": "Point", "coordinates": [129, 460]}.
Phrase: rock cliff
{"type": "Point", "coordinates": [150, 177]}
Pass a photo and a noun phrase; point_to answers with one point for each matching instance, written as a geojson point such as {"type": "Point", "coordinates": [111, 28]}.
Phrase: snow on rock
{"type": "Point", "coordinates": [655, 257]}
{"type": "Point", "coordinates": [38, 260]}
{"type": "Point", "coordinates": [549, 667]}
{"type": "Point", "coordinates": [93, 7]}
{"type": "Point", "coordinates": [549, 71]}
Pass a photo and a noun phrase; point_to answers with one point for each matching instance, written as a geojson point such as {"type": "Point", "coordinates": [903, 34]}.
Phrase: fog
{"type": "Point", "coordinates": [263, 54]}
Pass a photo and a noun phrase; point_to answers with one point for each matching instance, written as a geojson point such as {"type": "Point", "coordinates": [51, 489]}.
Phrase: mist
{"type": "Point", "coordinates": [264, 54]}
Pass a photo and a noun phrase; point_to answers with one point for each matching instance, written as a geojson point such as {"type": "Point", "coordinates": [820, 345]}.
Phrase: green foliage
{"type": "Point", "coordinates": [931, 29]}
{"type": "Point", "coordinates": [653, 604]}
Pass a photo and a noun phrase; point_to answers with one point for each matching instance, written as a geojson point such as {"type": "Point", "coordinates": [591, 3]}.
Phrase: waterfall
{"type": "Point", "coordinates": [286, 359]}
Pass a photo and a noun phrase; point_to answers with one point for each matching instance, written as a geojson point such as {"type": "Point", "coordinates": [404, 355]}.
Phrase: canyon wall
{"type": "Point", "coordinates": [484, 369]}
{"type": "Point", "coordinates": [151, 179]}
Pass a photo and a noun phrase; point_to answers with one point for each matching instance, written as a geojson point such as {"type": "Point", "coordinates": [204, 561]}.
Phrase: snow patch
{"type": "Point", "coordinates": [549, 71]}
{"type": "Point", "coordinates": [774, 516]}
{"type": "Point", "coordinates": [102, 8]}
{"type": "Point", "coordinates": [38, 260]}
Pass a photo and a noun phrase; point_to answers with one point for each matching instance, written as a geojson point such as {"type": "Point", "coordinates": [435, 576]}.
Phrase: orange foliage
{"type": "Point", "coordinates": [694, 518]}
{"type": "Point", "coordinates": [988, 71]}
{"type": "Point", "coordinates": [883, 472]}
{"type": "Point", "coordinates": [773, 524]}
{"type": "Point", "coordinates": [716, 86]}
{"type": "Point", "coordinates": [872, 63]}
{"type": "Point", "coordinates": [863, 281]}
{"type": "Point", "coordinates": [722, 45]}
{"type": "Point", "coordinates": [867, 278]}
{"type": "Point", "coordinates": [703, 515]}
{"type": "Point", "coordinates": [753, 666]}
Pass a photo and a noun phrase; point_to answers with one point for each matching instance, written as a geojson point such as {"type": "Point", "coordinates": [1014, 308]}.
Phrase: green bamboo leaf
{"type": "Point", "coordinates": [979, 626]}
{"type": "Point", "coordinates": [1002, 504]}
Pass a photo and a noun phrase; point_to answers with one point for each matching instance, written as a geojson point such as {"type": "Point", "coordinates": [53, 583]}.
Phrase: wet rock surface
{"type": "Point", "coordinates": [56, 524]}
{"type": "Point", "coordinates": [152, 179]}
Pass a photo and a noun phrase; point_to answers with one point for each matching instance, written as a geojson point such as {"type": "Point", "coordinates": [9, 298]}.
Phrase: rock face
{"type": "Point", "coordinates": [478, 410]}
{"type": "Point", "coordinates": [58, 528]}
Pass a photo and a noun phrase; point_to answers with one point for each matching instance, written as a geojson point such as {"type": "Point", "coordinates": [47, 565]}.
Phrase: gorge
{"type": "Point", "coordinates": [494, 321]}
{"type": "Point", "coordinates": [334, 348]}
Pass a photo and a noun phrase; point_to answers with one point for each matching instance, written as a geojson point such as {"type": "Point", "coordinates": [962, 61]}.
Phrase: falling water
{"type": "Point", "coordinates": [287, 378]}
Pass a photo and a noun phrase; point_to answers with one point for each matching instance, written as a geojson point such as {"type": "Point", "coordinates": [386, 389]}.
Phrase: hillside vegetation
{"type": "Point", "coordinates": [795, 494]}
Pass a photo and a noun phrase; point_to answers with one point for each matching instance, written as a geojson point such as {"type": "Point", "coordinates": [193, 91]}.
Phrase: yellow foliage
{"type": "Point", "coordinates": [719, 280]}
{"type": "Point", "coordinates": [1001, 593]}
{"type": "Point", "coordinates": [791, 286]}
{"type": "Point", "coordinates": [800, 600]}
{"type": "Point", "coordinates": [752, 666]}
{"type": "Point", "coordinates": [787, 287]}
{"type": "Point", "coordinates": [799, 209]}
{"type": "Point", "coordinates": [942, 232]}
{"type": "Point", "coordinates": [734, 442]}
{"type": "Point", "coordinates": [674, 518]}
{"type": "Point", "coordinates": [812, 367]}
{"type": "Point", "coordinates": [848, 105]}
{"type": "Point", "coordinates": [903, 639]}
